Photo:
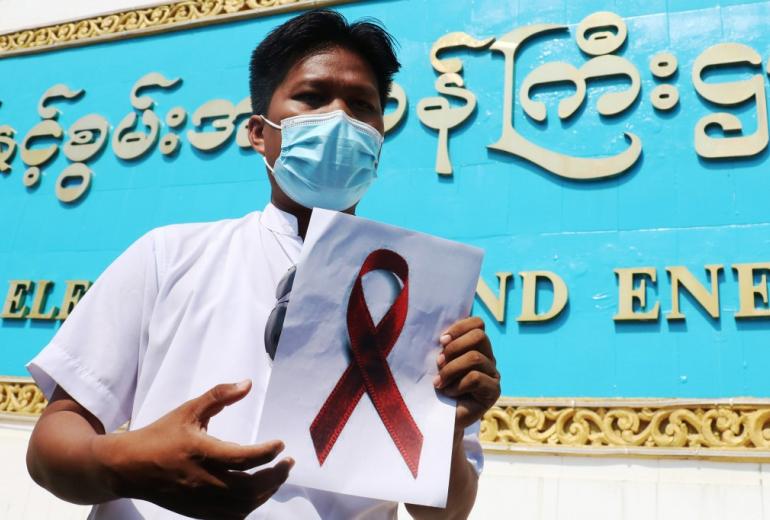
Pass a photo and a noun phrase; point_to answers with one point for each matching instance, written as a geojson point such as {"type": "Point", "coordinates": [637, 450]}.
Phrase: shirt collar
{"type": "Point", "coordinates": [279, 221]}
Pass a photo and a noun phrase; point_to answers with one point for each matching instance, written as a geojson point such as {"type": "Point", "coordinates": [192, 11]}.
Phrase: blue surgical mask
{"type": "Point", "coordinates": [327, 160]}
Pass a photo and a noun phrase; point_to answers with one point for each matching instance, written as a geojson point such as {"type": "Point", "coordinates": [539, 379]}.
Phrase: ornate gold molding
{"type": "Point", "coordinates": [19, 395]}
{"type": "Point", "coordinates": [139, 22]}
{"type": "Point", "coordinates": [721, 429]}
{"type": "Point", "coordinates": [724, 429]}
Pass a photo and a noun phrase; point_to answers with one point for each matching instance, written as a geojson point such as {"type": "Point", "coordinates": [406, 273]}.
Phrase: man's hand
{"type": "Point", "coordinates": [172, 462]}
{"type": "Point", "coordinates": [468, 371]}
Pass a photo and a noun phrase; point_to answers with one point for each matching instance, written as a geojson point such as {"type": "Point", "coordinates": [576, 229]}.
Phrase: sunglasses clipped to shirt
{"type": "Point", "coordinates": [274, 324]}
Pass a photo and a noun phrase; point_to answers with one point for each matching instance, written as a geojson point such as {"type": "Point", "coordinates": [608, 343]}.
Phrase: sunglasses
{"type": "Point", "coordinates": [274, 324]}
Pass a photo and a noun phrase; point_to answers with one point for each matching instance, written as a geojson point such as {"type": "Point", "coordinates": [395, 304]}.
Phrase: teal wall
{"type": "Point", "coordinates": [671, 208]}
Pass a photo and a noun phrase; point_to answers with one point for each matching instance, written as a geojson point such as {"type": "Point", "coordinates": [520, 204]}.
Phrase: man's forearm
{"type": "Point", "coordinates": [62, 457]}
{"type": "Point", "coordinates": [463, 484]}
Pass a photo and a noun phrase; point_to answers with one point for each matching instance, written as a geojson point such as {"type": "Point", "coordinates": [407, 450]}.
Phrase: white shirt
{"type": "Point", "coordinates": [182, 310]}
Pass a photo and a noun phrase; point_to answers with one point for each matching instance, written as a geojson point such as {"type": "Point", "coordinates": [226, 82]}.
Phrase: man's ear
{"type": "Point", "coordinates": [257, 140]}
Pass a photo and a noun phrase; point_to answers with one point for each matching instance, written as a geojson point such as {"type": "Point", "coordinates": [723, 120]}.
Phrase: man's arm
{"type": "Point", "coordinates": [463, 483]}
{"type": "Point", "coordinates": [468, 373]}
{"type": "Point", "coordinates": [66, 433]}
{"type": "Point", "coordinates": [172, 462]}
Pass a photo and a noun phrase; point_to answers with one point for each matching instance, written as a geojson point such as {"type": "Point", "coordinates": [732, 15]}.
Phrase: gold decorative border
{"type": "Point", "coordinates": [727, 429]}
{"type": "Point", "coordinates": [139, 22]}
{"type": "Point", "coordinates": [20, 395]}
{"type": "Point", "coordinates": [724, 429]}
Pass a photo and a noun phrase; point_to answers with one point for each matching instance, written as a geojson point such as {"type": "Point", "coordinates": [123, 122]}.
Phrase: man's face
{"type": "Point", "coordinates": [327, 80]}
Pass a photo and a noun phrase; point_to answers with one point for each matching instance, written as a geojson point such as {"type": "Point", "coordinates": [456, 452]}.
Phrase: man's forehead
{"type": "Point", "coordinates": [329, 67]}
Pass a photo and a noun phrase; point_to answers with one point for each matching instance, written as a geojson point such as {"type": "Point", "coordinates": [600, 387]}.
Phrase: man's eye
{"type": "Point", "coordinates": [362, 104]}
{"type": "Point", "coordinates": [311, 98]}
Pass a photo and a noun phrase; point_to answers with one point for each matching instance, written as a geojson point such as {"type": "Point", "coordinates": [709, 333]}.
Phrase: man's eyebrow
{"type": "Point", "coordinates": [361, 88]}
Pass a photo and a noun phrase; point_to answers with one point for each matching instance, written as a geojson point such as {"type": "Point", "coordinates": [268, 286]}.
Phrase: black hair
{"type": "Point", "coordinates": [311, 32]}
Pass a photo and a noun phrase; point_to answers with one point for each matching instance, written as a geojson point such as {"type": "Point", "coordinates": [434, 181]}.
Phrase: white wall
{"type": "Point", "coordinates": [25, 14]}
{"type": "Point", "coordinates": [518, 487]}
{"type": "Point", "coordinates": [581, 488]}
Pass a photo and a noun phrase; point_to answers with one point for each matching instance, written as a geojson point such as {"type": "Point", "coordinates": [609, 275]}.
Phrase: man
{"type": "Point", "coordinates": [184, 310]}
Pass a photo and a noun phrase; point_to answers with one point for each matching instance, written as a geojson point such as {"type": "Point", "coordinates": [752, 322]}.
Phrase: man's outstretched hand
{"type": "Point", "coordinates": [172, 462]}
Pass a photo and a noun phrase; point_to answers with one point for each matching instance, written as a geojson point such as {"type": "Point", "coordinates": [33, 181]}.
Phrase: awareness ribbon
{"type": "Point", "coordinates": [368, 370]}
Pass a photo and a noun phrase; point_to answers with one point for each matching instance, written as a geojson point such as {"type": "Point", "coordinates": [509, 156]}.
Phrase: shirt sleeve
{"type": "Point", "coordinates": [95, 354]}
{"type": "Point", "coordinates": [472, 446]}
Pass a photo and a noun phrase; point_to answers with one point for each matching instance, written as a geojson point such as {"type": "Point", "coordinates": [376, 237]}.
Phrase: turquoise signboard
{"type": "Point", "coordinates": [609, 157]}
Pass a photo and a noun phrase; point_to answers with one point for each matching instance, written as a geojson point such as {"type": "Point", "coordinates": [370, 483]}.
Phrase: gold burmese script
{"type": "Point", "coordinates": [217, 122]}
{"type": "Point", "coordinates": [137, 134]}
{"type": "Point", "coordinates": [599, 36]}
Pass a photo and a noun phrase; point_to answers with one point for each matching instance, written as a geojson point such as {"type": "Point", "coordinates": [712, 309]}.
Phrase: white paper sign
{"type": "Point", "coordinates": [315, 350]}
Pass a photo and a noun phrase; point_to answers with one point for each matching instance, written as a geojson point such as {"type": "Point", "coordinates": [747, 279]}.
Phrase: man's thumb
{"type": "Point", "coordinates": [214, 401]}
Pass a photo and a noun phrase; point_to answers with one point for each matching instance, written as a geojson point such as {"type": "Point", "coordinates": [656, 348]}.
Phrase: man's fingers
{"type": "Point", "coordinates": [475, 339]}
{"type": "Point", "coordinates": [464, 364]}
{"type": "Point", "coordinates": [232, 456]}
{"type": "Point", "coordinates": [242, 489]}
{"type": "Point", "coordinates": [240, 493]}
{"type": "Point", "coordinates": [266, 481]}
{"type": "Point", "coordinates": [467, 370]}
{"type": "Point", "coordinates": [460, 327]}
{"type": "Point", "coordinates": [243, 492]}
{"type": "Point", "coordinates": [482, 387]}
{"type": "Point", "coordinates": [213, 401]}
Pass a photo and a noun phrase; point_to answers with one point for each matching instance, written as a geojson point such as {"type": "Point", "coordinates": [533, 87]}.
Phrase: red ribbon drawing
{"type": "Point", "coordinates": [369, 371]}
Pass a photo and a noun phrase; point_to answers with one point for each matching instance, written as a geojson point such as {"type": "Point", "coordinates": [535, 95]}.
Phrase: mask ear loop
{"type": "Point", "coordinates": [270, 123]}
{"type": "Point", "coordinates": [269, 168]}
{"type": "Point", "coordinates": [277, 127]}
